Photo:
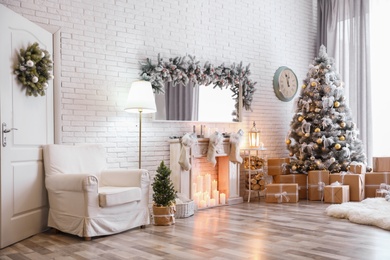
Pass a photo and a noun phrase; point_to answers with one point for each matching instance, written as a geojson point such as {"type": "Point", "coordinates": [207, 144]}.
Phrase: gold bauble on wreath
{"type": "Point", "coordinates": [342, 124]}
{"type": "Point", "coordinates": [317, 130]}
{"type": "Point", "coordinates": [342, 138]}
{"type": "Point", "coordinates": [307, 135]}
{"type": "Point", "coordinates": [300, 118]}
{"type": "Point", "coordinates": [304, 86]}
{"type": "Point", "coordinates": [288, 141]}
{"type": "Point", "coordinates": [337, 146]}
{"type": "Point", "coordinates": [319, 141]}
{"type": "Point", "coordinates": [313, 84]}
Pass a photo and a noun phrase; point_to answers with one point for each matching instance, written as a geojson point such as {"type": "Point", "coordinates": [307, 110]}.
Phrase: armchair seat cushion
{"type": "Point", "coordinates": [112, 196]}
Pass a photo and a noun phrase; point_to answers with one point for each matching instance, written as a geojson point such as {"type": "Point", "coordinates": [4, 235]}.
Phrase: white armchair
{"type": "Point", "coordinates": [87, 199]}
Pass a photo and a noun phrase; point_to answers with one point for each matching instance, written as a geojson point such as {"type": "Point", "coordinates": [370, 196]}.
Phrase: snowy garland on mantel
{"type": "Point", "coordinates": [181, 70]}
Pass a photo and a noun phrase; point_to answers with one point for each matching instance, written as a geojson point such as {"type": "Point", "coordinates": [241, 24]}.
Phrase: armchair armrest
{"type": "Point", "coordinates": [72, 182]}
{"type": "Point", "coordinates": [125, 178]}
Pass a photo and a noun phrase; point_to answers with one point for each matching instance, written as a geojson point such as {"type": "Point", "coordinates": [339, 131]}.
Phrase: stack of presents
{"type": "Point", "coordinates": [321, 185]}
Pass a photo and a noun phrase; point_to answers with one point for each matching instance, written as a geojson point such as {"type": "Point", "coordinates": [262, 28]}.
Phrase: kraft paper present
{"type": "Point", "coordinates": [317, 180]}
{"type": "Point", "coordinates": [373, 181]}
{"type": "Point", "coordinates": [282, 193]}
{"type": "Point", "coordinates": [300, 179]}
{"type": "Point", "coordinates": [358, 168]}
{"type": "Point", "coordinates": [355, 182]}
{"type": "Point", "coordinates": [381, 164]}
{"type": "Point", "coordinates": [278, 166]}
{"type": "Point", "coordinates": [336, 193]}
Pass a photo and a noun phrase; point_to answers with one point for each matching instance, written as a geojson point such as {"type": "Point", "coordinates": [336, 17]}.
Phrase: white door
{"type": "Point", "coordinates": [23, 197]}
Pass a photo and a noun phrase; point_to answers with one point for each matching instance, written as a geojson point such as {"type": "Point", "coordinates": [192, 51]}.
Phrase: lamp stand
{"type": "Point", "coordinates": [139, 138]}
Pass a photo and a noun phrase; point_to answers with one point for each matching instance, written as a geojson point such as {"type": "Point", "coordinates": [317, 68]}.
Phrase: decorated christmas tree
{"type": "Point", "coordinates": [164, 192]}
{"type": "Point", "coordinates": [322, 135]}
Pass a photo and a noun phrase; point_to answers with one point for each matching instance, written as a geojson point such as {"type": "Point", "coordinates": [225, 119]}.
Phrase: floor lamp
{"type": "Point", "coordinates": [140, 100]}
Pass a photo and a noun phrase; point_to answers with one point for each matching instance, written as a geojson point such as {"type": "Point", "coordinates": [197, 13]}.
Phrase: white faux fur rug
{"type": "Point", "coordinates": [371, 211]}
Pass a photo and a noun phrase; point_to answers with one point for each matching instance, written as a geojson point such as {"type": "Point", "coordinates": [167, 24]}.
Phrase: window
{"type": "Point", "coordinates": [380, 60]}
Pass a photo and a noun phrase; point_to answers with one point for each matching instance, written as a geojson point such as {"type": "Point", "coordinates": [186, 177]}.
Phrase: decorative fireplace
{"type": "Point", "coordinates": [207, 185]}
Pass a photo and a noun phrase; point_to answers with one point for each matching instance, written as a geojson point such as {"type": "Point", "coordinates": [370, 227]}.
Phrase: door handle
{"type": "Point", "coordinates": [4, 131]}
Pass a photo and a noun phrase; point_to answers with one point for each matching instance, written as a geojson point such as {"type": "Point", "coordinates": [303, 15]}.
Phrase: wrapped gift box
{"type": "Point", "coordinates": [358, 168]}
{"type": "Point", "coordinates": [317, 180]}
{"type": "Point", "coordinates": [300, 179]}
{"type": "Point", "coordinates": [381, 164]}
{"type": "Point", "coordinates": [355, 182]}
{"type": "Point", "coordinates": [336, 193]}
{"type": "Point", "coordinates": [281, 193]}
{"type": "Point", "coordinates": [373, 181]}
{"type": "Point", "coordinates": [278, 166]}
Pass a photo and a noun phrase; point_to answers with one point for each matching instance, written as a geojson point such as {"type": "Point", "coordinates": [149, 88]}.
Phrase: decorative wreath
{"type": "Point", "coordinates": [180, 70]}
{"type": "Point", "coordinates": [34, 69]}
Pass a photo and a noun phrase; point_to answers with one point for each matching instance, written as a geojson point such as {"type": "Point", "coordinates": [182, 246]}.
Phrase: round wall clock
{"type": "Point", "coordinates": [285, 83]}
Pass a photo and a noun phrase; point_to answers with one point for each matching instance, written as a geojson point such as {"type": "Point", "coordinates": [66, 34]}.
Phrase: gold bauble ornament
{"type": "Point", "coordinates": [337, 146]}
{"type": "Point", "coordinates": [294, 168]}
{"type": "Point", "coordinates": [319, 141]}
{"type": "Point", "coordinates": [307, 134]}
{"type": "Point", "coordinates": [342, 124]}
{"type": "Point", "coordinates": [317, 130]}
{"type": "Point", "coordinates": [291, 154]}
{"type": "Point", "coordinates": [304, 86]}
{"type": "Point", "coordinates": [300, 118]}
{"type": "Point", "coordinates": [336, 104]}
{"type": "Point", "coordinates": [313, 84]}
{"type": "Point", "coordinates": [342, 138]}
{"type": "Point", "coordinates": [288, 141]}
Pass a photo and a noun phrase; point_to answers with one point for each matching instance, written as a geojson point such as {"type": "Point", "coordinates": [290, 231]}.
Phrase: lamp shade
{"type": "Point", "coordinates": [141, 98]}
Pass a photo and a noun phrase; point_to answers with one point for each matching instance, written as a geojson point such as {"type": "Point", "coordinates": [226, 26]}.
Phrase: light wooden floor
{"type": "Point", "coordinates": [255, 230]}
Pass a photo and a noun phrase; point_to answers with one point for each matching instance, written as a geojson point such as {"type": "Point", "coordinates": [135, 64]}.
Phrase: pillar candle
{"type": "Point", "coordinates": [202, 204]}
{"type": "Point", "coordinates": [207, 183]}
{"type": "Point", "coordinates": [222, 198]}
{"type": "Point", "coordinates": [212, 202]}
{"type": "Point", "coordinates": [196, 198]}
{"type": "Point", "coordinates": [216, 196]}
{"type": "Point", "coordinates": [207, 200]}
{"type": "Point", "coordinates": [200, 183]}
{"type": "Point", "coordinates": [214, 185]}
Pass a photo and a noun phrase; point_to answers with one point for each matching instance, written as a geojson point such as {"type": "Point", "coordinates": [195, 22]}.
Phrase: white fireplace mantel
{"type": "Point", "coordinates": [228, 173]}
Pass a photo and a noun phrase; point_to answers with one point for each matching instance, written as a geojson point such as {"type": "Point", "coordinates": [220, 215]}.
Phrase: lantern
{"type": "Point", "coordinates": [254, 136]}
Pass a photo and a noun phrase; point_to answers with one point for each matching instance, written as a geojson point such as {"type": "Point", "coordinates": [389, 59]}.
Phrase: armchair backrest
{"type": "Point", "coordinates": [74, 159]}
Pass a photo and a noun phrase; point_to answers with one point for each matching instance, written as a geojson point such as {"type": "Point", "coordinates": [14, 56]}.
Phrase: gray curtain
{"type": "Point", "coordinates": [181, 102]}
{"type": "Point", "coordinates": [343, 27]}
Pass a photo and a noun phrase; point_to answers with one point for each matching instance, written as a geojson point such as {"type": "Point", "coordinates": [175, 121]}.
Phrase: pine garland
{"type": "Point", "coordinates": [181, 70]}
{"type": "Point", "coordinates": [34, 69]}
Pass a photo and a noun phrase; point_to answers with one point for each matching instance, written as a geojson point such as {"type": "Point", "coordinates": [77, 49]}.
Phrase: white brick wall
{"type": "Point", "coordinates": [102, 42]}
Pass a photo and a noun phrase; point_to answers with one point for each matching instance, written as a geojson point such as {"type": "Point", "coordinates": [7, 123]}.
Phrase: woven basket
{"type": "Point", "coordinates": [185, 210]}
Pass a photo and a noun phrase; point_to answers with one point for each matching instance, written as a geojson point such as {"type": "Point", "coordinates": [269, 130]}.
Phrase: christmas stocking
{"type": "Point", "coordinates": [235, 140]}
{"type": "Point", "coordinates": [187, 141]}
{"type": "Point", "coordinates": [215, 141]}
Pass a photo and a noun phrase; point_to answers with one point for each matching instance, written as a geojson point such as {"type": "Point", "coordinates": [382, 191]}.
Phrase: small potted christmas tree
{"type": "Point", "coordinates": [163, 197]}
